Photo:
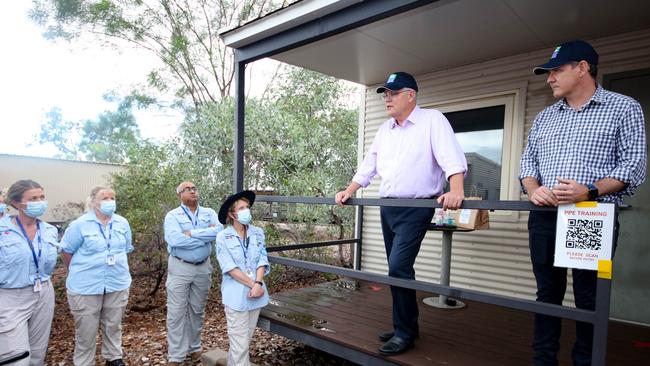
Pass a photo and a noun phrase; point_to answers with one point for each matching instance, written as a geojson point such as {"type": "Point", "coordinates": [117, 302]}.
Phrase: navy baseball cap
{"type": "Point", "coordinates": [568, 52]}
{"type": "Point", "coordinates": [399, 80]}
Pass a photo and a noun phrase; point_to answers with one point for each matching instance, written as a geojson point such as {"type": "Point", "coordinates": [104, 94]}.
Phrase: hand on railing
{"type": "Point", "coordinates": [342, 197]}
{"type": "Point", "coordinates": [542, 196]}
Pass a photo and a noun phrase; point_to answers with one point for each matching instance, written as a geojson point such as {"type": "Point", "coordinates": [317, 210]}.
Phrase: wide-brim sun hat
{"type": "Point", "coordinates": [225, 206]}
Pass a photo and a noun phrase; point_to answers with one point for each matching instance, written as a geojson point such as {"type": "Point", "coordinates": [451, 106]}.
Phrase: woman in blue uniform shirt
{"type": "Point", "coordinates": [28, 251]}
{"type": "Point", "coordinates": [242, 257]}
{"type": "Point", "coordinates": [95, 248]}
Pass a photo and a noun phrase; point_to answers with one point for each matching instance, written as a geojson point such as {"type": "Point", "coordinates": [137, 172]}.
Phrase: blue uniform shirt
{"type": "Point", "coordinates": [231, 254]}
{"type": "Point", "coordinates": [198, 247]}
{"type": "Point", "coordinates": [17, 267]}
{"type": "Point", "coordinates": [89, 272]}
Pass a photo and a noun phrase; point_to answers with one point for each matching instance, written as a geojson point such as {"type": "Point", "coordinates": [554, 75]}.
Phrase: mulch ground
{"type": "Point", "coordinates": [144, 332]}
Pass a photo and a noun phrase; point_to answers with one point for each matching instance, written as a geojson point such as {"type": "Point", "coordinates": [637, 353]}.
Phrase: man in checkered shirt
{"type": "Point", "coordinates": [589, 145]}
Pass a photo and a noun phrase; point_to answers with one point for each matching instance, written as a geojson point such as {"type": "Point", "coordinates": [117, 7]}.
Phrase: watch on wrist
{"type": "Point", "coordinates": [593, 192]}
{"type": "Point", "coordinates": [260, 283]}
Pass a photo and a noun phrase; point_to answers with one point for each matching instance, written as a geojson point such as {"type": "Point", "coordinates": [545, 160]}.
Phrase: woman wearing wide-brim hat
{"type": "Point", "coordinates": [242, 257]}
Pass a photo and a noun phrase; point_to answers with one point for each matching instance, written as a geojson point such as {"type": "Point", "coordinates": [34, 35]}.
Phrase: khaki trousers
{"type": "Point", "coordinates": [25, 322]}
{"type": "Point", "coordinates": [92, 312]}
{"type": "Point", "coordinates": [241, 326]}
{"type": "Point", "coordinates": [187, 292]}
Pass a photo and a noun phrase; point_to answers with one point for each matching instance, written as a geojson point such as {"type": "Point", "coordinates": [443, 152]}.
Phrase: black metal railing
{"type": "Point", "coordinates": [599, 317]}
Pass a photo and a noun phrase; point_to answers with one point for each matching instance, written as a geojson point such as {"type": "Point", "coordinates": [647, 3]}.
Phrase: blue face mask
{"type": "Point", "coordinates": [3, 208]}
{"type": "Point", "coordinates": [108, 207]}
{"type": "Point", "coordinates": [244, 216]}
{"type": "Point", "coordinates": [35, 209]}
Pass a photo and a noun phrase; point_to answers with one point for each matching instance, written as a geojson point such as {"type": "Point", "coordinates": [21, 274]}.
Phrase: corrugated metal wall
{"type": "Point", "coordinates": [496, 260]}
{"type": "Point", "coordinates": [63, 180]}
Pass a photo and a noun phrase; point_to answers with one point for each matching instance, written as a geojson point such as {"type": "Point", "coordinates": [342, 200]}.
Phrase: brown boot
{"type": "Point", "coordinates": [170, 363]}
{"type": "Point", "coordinates": [196, 357]}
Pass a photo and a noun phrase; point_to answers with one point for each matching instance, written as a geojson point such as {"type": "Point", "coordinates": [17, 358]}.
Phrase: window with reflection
{"type": "Point", "coordinates": [480, 134]}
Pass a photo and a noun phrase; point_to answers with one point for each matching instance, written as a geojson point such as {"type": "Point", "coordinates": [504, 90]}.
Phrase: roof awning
{"type": "Point", "coordinates": [425, 36]}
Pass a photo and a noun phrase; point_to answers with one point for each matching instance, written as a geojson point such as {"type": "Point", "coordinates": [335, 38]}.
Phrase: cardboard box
{"type": "Point", "coordinates": [472, 219]}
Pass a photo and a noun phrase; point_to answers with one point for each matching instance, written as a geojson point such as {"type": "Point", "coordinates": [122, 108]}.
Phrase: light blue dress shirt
{"type": "Point", "coordinates": [17, 267]}
{"type": "Point", "coordinates": [231, 254]}
{"type": "Point", "coordinates": [198, 247]}
{"type": "Point", "coordinates": [89, 272]}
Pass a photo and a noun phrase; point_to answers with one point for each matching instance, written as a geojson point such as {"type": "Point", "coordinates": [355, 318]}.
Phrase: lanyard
{"type": "Point", "coordinates": [110, 234]}
{"type": "Point", "coordinates": [196, 217]}
{"type": "Point", "coordinates": [244, 248]}
{"type": "Point", "coordinates": [31, 246]}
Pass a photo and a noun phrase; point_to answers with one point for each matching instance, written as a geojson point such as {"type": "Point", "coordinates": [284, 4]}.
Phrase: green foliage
{"type": "Point", "coordinates": [182, 34]}
{"type": "Point", "coordinates": [301, 141]}
{"type": "Point", "coordinates": [110, 138]}
{"type": "Point", "coordinates": [145, 193]}
{"type": "Point", "coordinates": [60, 133]}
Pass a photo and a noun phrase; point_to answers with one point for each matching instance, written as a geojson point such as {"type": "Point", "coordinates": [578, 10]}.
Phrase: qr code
{"type": "Point", "coordinates": [584, 234]}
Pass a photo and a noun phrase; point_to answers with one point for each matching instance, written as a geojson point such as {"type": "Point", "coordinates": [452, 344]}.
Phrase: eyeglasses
{"type": "Point", "coordinates": [389, 94]}
{"type": "Point", "coordinates": [189, 189]}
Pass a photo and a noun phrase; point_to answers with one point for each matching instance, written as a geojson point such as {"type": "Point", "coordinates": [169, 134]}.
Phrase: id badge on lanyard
{"type": "Point", "coordinates": [249, 269]}
{"type": "Point", "coordinates": [110, 257]}
{"type": "Point", "coordinates": [38, 285]}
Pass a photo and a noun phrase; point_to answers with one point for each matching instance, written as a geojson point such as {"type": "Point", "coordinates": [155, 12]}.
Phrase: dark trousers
{"type": "Point", "coordinates": [551, 287]}
{"type": "Point", "coordinates": [403, 229]}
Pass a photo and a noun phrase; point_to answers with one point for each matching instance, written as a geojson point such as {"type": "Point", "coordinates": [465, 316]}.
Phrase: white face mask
{"type": "Point", "coordinates": [35, 209]}
{"type": "Point", "coordinates": [108, 207]}
{"type": "Point", "coordinates": [244, 216]}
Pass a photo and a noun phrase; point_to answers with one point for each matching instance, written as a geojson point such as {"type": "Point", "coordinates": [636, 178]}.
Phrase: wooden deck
{"type": "Point", "coordinates": [351, 314]}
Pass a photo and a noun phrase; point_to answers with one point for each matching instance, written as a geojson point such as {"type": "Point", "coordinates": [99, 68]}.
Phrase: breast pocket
{"type": "Point", "coordinates": [119, 239]}
{"type": "Point", "coordinates": [185, 223]}
{"type": "Point", "coordinates": [204, 221]}
{"type": "Point", "coordinates": [236, 253]}
{"type": "Point", "coordinates": [93, 242]}
{"type": "Point", "coordinates": [11, 254]}
{"type": "Point", "coordinates": [550, 143]}
{"type": "Point", "coordinates": [254, 250]}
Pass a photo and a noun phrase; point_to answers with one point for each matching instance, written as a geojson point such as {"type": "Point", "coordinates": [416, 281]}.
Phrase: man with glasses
{"type": "Point", "coordinates": [415, 152]}
{"type": "Point", "coordinates": [190, 231]}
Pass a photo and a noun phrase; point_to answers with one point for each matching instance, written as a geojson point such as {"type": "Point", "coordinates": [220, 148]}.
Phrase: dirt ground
{"type": "Point", "coordinates": [144, 332]}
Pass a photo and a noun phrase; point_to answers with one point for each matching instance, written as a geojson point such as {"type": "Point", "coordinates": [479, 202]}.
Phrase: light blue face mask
{"type": "Point", "coordinates": [244, 216]}
{"type": "Point", "coordinates": [3, 208]}
{"type": "Point", "coordinates": [108, 207]}
{"type": "Point", "coordinates": [35, 209]}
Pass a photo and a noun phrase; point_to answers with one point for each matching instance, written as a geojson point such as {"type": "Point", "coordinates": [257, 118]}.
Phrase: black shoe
{"type": "Point", "coordinates": [395, 346]}
{"type": "Point", "coordinates": [386, 336]}
{"type": "Point", "coordinates": [117, 362]}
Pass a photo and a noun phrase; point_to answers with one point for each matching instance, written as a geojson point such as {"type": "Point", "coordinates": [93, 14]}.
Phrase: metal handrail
{"type": "Point", "coordinates": [599, 317]}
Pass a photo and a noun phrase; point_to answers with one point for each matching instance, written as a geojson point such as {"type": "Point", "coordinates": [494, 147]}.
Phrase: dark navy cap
{"type": "Point", "coordinates": [568, 52]}
{"type": "Point", "coordinates": [399, 80]}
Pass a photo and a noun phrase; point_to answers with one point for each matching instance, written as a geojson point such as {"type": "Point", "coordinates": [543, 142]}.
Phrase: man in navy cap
{"type": "Point", "coordinates": [589, 145]}
{"type": "Point", "coordinates": [415, 153]}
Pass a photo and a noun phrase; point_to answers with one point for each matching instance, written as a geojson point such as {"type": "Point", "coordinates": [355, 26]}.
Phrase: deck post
{"type": "Point", "coordinates": [238, 163]}
{"type": "Point", "coordinates": [358, 234]}
{"type": "Point", "coordinates": [603, 298]}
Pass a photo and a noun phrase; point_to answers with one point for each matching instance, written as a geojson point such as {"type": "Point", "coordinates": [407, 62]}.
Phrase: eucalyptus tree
{"type": "Point", "coordinates": [181, 33]}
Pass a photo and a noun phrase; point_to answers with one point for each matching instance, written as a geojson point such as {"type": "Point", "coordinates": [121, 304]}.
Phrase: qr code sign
{"type": "Point", "coordinates": [584, 234]}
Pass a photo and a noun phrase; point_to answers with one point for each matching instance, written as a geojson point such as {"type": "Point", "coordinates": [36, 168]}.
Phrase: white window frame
{"type": "Point", "coordinates": [513, 130]}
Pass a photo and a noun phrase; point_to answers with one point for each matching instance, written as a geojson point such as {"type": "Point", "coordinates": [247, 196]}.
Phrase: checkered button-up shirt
{"type": "Point", "coordinates": [603, 139]}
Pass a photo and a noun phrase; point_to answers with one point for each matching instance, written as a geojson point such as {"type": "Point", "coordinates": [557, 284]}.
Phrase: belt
{"type": "Point", "coordinates": [189, 262]}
